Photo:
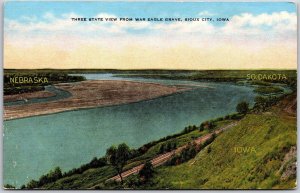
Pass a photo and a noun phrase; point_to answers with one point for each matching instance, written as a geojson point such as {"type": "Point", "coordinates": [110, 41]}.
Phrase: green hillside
{"type": "Point", "coordinates": [257, 153]}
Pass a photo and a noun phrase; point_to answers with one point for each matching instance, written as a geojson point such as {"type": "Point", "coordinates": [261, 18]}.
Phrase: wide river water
{"type": "Point", "coordinates": [35, 145]}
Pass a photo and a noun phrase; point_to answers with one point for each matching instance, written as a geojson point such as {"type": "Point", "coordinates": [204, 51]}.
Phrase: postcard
{"type": "Point", "coordinates": [149, 95]}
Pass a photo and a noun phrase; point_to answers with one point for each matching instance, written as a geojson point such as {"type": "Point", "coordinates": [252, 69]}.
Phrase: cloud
{"type": "Point", "coordinates": [185, 27]}
{"type": "Point", "coordinates": [244, 30]}
{"type": "Point", "coordinates": [277, 22]}
{"type": "Point", "coordinates": [245, 24]}
{"type": "Point", "coordinates": [48, 16]}
{"type": "Point", "coordinates": [246, 39]}
{"type": "Point", "coordinates": [206, 14]}
{"type": "Point", "coordinates": [274, 19]}
{"type": "Point", "coordinates": [64, 24]}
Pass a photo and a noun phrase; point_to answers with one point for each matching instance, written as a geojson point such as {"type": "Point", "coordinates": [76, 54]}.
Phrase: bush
{"type": "Point", "coordinates": [132, 182]}
{"type": "Point", "coordinates": [262, 102]}
{"type": "Point", "coordinates": [189, 129]}
{"type": "Point", "coordinates": [52, 176]}
{"type": "Point", "coordinates": [33, 184]}
{"type": "Point", "coordinates": [209, 125]}
{"type": "Point", "coordinates": [167, 147]}
{"type": "Point", "coordinates": [242, 107]}
{"type": "Point", "coordinates": [147, 171]}
{"type": "Point", "coordinates": [8, 186]}
{"type": "Point", "coordinates": [186, 154]}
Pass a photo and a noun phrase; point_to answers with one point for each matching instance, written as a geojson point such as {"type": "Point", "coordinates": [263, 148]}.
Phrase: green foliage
{"type": "Point", "coordinates": [33, 184]}
{"type": "Point", "coordinates": [52, 78]}
{"type": "Point", "coordinates": [189, 129]}
{"type": "Point", "coordinates": [118, 157]}
{"type": "Point", "coordinates": [133, 182]}
{"type": "Point", "coordinates": [147, 171]}
{"type": "Point", "coordinates": [242, 107]}
{"type": "Point", "coordinates": [167, 147]}
{"type": "Point", "coordinates": [52, 176]}
{"type": "Point", "coordinates": [189, 152]}
{"type": "Point", "coordinates": [56, 174]}
{"type": "Point", "coordinates": [94, 163]}
{"type": "Point", "coordinates": [262, 103]}
{"type": "Point", "coordinates": [220, 167]}
{"type": "Point", "coordinates": [142, 150]}
{"type": "Point", "coordinates": [90, 178]}
{"type": "Point", "coordinates": [210, 75]}
{"type": "Point", "coordinates": [208, 125]}
{"type": "Point", "coordinates": [8, 186]}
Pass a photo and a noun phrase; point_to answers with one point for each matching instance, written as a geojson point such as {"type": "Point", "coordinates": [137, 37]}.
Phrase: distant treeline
{"type": "Point", "coordinates": [206, 75]}
{"type": "Point", "coordinates": [288, 77]}
{"type": "Point", "coordinates": [23, 82]}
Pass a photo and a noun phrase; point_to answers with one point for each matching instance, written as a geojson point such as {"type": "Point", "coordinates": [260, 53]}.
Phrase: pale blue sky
{"type": "Point", "coordinates": [15, 10]}
{"type": "Point", "coordinates": [260, 35]}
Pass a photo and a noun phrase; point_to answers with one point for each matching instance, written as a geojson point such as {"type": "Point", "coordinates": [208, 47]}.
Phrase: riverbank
{"type": "Point", "coordinates": [26, 96]}
{"type": "Point", "coordinates": [93, 93]}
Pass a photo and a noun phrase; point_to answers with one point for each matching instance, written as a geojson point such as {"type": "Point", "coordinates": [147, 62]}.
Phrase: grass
{"type": "Point", "coordinates": [85, 180]}
{"type": "Point", "coordinates": [270, 134]}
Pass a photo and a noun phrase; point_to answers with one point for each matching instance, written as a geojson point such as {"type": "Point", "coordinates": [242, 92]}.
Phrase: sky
{"type": "Point", "coordinates": [43, 35]}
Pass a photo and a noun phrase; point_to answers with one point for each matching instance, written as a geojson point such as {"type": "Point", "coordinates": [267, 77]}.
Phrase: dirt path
{"type": "Point", "coordinates": [162, 158]}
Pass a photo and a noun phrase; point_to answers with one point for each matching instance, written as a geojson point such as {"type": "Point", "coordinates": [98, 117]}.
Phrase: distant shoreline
{"type": "Point", "coordinates": [93, 94]}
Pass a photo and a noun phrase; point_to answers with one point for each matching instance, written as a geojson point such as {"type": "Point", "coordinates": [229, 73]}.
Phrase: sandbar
{"type": "Point", "coordinates": [90, 94]}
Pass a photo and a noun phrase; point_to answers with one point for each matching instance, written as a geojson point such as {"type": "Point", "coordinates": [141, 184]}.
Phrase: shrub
{"type": "Point", "coordinates": [147, 171]}
{"type": "Point", "coordinates": [8, 186]}
{"type": "Point", "coordinates": [186, 154]}
{"type": "Point", "coordinates": [242, 107]}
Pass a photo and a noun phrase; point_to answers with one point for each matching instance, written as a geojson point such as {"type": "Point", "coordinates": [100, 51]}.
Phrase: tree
{"type": "Point", "coordinates": [8, 186]}
{"type": "Point", "coordinates": [117, 157]}
{"type": "Point", "coordinates": [261, 103]}
{"type": "Point", "coordinates": [147, 171]}
{"type": "Point", "coordinates": [209, 125]}
{"type": "Point", "coordinates": [162, 148]}
{"type": "Point", "coordinates": [57, 173]}
{"type": "Point", "coordinates": [52, 176]}
{"type": "Point", "coordinates": [242, 107]}
{"type": "Point", "coordinates": [32, 184]}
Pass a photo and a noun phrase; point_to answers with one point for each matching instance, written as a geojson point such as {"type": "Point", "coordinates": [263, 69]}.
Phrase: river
{"type": "Point", "coordinates": [34, 145]}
